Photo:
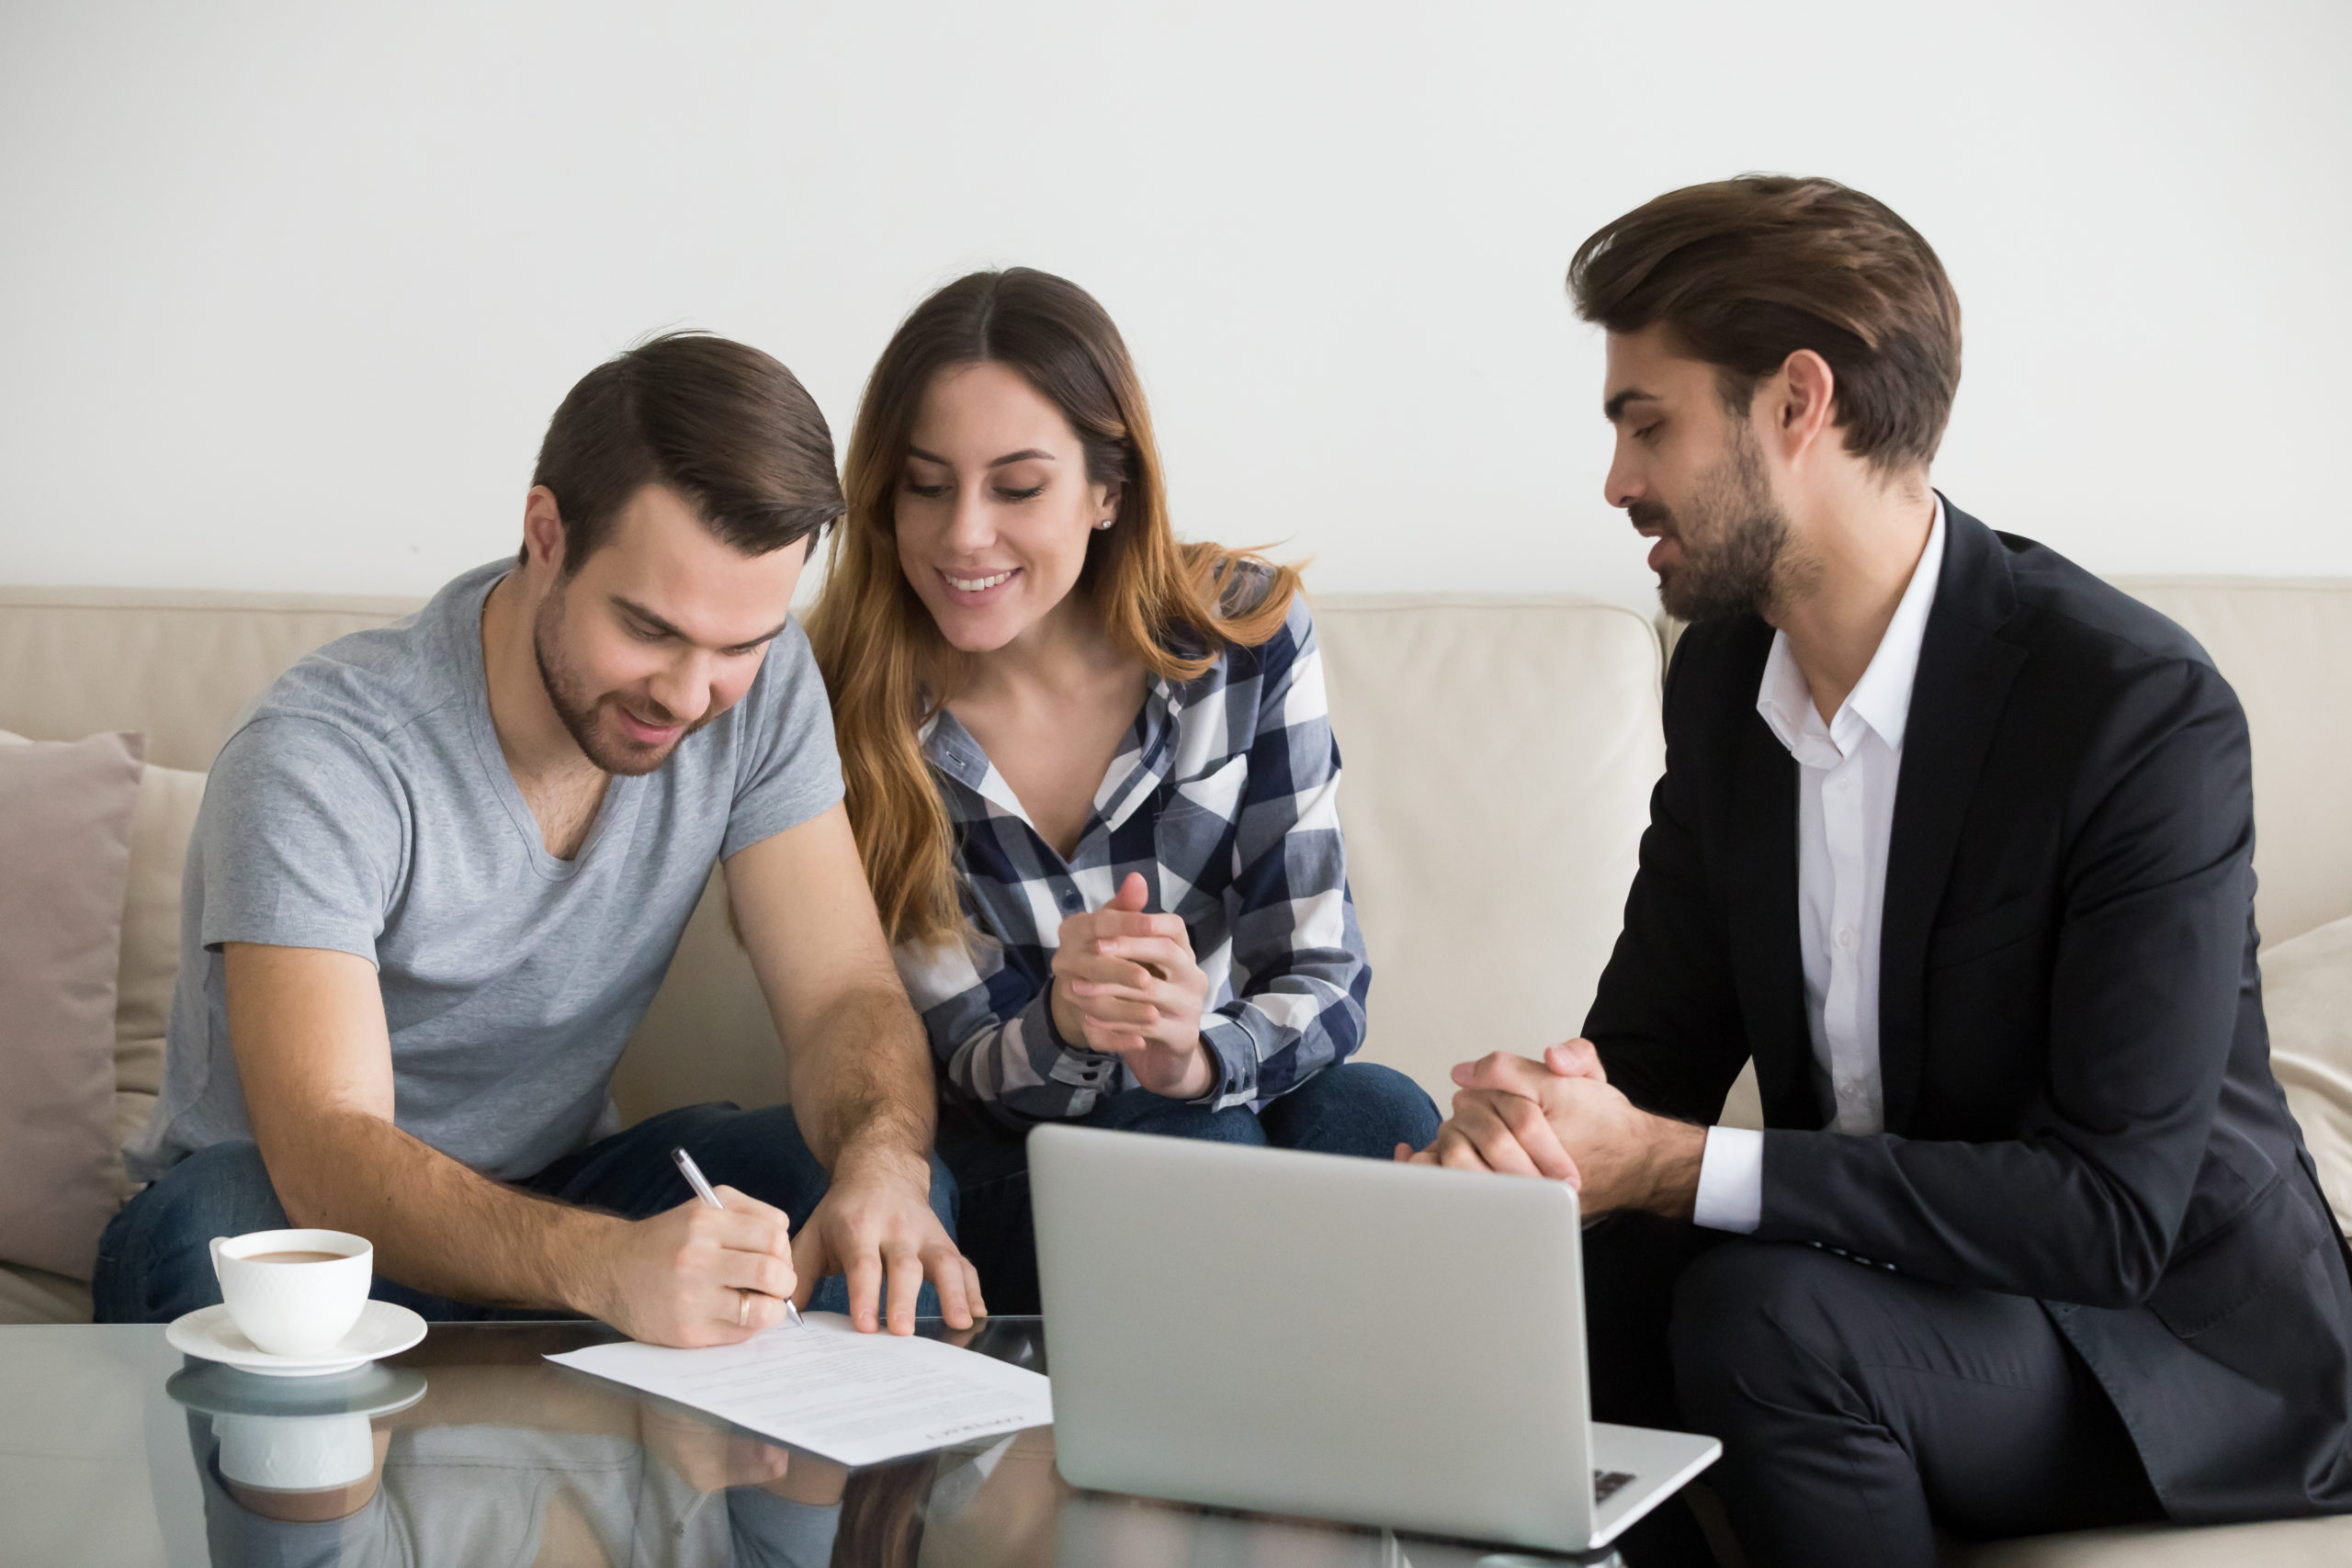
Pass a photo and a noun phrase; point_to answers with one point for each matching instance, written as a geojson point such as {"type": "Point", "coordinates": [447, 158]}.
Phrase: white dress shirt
{"type": "Point", "coordinates": [1846, 777]}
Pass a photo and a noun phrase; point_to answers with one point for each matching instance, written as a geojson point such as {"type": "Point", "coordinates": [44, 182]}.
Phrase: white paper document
{"type": "Point", "coordinates": [857, 1398]}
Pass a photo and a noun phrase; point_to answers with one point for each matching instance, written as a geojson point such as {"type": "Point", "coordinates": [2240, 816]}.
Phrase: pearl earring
{"type": "Point", "coordinates": [1105, 524]}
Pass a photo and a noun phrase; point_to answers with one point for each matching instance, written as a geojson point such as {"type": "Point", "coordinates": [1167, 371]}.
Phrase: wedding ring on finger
{"type": "Point", "coordinates": [742, 1308]}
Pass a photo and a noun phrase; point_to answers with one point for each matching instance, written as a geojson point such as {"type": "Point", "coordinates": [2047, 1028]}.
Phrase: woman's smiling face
{"type": "Point", "coordinates": [993, 508]}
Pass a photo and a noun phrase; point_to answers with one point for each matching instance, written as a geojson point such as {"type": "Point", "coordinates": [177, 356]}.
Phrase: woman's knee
{"type": "Point", "coordinates": [1140, 1110]}
{"type": "Point", "coordinates": [1354, 1108]}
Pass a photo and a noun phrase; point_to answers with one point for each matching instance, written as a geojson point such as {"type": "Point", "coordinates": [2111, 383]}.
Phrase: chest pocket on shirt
{"type": "Point", "coordinates": [1194, 840]}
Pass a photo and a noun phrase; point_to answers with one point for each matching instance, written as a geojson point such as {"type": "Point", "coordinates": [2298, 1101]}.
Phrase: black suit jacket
{"type": "Point", "coordinates": [2079, 1102]}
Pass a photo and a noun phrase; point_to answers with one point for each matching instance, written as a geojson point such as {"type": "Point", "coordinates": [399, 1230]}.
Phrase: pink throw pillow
{"type": "Point", "coordinates": [65, 812]}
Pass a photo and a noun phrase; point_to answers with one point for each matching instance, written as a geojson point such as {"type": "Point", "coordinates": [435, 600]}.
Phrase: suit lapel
{"type": "Point", "coordinates": [1760, 898]}
{"type": "Point", "coordinates": [1768, 967]}
{"type": "Point", "coordinates": [1965, 672]}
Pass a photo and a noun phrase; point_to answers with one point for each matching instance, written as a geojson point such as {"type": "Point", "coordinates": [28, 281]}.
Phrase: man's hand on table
{"type": "Point", "coordinates": [708, 1458]}
{"type": "Point", "coordinates": [1560, 1119]}
{"type": "Point", "coordinates": [875, 1222]}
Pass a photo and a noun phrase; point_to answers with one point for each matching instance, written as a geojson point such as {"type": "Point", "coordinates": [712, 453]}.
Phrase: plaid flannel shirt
{"type": "Point", "coordinates": [1226, 798]}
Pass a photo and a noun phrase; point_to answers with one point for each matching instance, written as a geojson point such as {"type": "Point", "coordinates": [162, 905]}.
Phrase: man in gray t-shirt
{"type": "Point", "coordinates": [441, 869]}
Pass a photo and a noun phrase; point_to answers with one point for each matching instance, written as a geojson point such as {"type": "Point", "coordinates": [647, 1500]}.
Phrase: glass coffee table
{"type": "Point", "coordinates": [473, 1450]}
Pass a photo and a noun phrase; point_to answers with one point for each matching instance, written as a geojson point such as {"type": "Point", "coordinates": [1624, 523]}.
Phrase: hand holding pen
{"type": "Point", "coordinates": [701, 1185]}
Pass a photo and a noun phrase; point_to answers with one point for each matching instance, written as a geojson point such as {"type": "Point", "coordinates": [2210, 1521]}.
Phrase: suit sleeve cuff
{"type": "Point", "coordinates": [1731, 1181]}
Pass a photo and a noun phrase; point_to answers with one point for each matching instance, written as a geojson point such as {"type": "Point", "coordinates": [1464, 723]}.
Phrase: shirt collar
{"type": "Point", "coordinates": [1880, 700]}
{"type": "Point", "coordinates": [951, 749]}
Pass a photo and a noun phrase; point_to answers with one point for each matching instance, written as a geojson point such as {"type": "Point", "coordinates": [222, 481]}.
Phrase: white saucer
{"type": "Point", "coordinates": [384, 1328]}
{"type": "Point", "coordinates": [371, 1390]}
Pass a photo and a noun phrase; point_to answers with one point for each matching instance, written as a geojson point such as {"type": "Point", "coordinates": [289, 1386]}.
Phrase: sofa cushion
{"type": "Point", "coordinates": [2307, 996]}
{"type": "Point", "coordinates": [161, 827]}
{"type": "Point", "coordinates": [65, 815]}
{"type": "Point", "coordinates": [176, 665]}
{"type": "Point", "coordinates": [1498, 754]}
{"type": "Point", "coordinates": [32, 1295]}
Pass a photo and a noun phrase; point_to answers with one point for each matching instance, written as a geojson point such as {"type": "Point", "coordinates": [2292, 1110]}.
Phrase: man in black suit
{"type": "Point", "coordinates": [1956, 842]}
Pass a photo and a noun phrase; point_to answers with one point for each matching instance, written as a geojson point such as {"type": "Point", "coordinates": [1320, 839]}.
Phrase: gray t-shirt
{"type": "Point", "coordinates": [363, 805]}
{"type": "Point", "coordinates": [479, 1495]}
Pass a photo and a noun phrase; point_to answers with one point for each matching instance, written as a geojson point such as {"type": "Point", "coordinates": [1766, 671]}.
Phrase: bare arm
{"type": "Point", "coordinates": [307, 1026]}
{"type": "Point", "coordinates": [860, 1073]}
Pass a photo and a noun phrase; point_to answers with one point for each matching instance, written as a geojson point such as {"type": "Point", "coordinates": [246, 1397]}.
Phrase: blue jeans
{"type": "Point", "coordinates": [1356, 1107]}
{"type": "Point", "coordinates": [155, 1259]}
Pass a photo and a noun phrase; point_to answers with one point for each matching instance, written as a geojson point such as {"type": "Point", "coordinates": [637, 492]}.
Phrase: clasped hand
{"type": "Point", "coordinates": [1561, 1119]}
{"type": "Point", "coordinates": [1126, 983]}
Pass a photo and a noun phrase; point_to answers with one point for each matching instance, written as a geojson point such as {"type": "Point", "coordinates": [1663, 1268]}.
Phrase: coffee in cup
{"type": "Point", "coordinates": [294, 1293]}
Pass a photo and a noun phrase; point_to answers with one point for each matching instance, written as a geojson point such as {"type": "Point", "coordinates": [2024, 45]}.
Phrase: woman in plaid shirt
{"type": "Point", "coordinates": [1090, 768]}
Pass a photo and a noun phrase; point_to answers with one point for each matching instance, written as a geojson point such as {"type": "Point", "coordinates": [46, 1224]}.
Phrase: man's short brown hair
{"type": "Point", "coordinates": [728, 428]}
{"type": "Point", "coordinates": [1743, 273]}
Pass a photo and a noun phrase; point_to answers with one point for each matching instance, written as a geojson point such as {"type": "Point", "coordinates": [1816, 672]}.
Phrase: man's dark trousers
{"type": "Point", "coordinates": [1831, 1379]}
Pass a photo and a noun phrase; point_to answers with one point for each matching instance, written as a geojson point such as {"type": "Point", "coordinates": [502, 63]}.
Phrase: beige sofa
{"type": "Point", "coordinates": [1499, 751]}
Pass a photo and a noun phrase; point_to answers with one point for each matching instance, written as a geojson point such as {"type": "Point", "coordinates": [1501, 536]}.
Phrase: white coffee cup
{"type": "Point", "coordinates": [298, 1453]}
{"type": "Point", "coordinates": [294, 1308]}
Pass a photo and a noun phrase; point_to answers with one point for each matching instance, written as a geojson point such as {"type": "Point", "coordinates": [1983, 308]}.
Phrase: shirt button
{"type": "Point", "coordinates": [1069, 898]}
{"type": "Point", "coordinates": [1846, 938]}
{"type": "Point", "coordinates": [1846, 781]}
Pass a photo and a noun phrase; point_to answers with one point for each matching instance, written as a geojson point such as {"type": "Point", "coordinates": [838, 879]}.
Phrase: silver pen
{"type": "Point", "coordinates": [701, 1184]}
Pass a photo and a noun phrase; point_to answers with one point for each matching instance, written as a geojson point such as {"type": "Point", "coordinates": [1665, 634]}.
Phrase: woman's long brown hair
{"type": "Point", "coordinates": [1171, 606]}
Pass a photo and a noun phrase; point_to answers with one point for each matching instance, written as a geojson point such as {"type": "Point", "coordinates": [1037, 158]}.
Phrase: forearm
{"type": "Point", "coordinates": [1305, 1016]}
{"type": "Point", "coordinates": [1019, 1069]}
{"type": "Point", "coordinates": [2026, 1217]}
{"type": "Point", "coordinates": [862, 1086]}
{"type": "Point", "coordinates": [1664, 1174]}
{"type": "Point", "coordinates": [436, 1226]}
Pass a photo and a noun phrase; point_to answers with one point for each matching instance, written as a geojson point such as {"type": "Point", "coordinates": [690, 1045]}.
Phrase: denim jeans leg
{"type": "Point", "coordinates": [1140, 1110]}
{"type": "Point", "coordinates": [991, 1165]}
{"type": "Point", "coordinates": [155, 1258]}
{"type": "Point", "coordinates": [759, 1153]}
{"type": "Point", "coordinates": [1355, 1107]}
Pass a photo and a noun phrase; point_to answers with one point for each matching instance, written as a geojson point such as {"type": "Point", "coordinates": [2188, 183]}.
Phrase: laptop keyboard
{"type": "Point", "coordinates": [1605, 1484]}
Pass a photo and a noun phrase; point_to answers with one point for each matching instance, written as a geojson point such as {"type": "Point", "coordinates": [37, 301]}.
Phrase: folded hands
{"type": "Point", "coordinates": [1561, 1119]}
{"type": "Point", "coordinates": [1127, 984]}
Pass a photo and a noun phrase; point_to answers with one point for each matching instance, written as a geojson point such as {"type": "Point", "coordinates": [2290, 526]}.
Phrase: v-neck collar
{"type": "Point", "coordinates": [1135, 771]}
{"type": "Point", "coordinates": [614, 812]}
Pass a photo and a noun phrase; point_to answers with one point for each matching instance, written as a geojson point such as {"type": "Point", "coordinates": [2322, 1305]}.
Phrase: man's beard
{"type": "Point", "coordinates": [1735, 539]}
{"type": "Point", "coordinates": [580, 712]}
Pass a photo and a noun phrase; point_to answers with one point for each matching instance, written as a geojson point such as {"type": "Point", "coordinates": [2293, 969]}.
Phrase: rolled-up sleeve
{"type": "Point", "coordinates": [991, 1029]}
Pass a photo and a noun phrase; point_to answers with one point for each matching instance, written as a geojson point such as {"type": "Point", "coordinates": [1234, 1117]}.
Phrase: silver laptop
{"type": "Point", "coordinates": [1303, 1334]}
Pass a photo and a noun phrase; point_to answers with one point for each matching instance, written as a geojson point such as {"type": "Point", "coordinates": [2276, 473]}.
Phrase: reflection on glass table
{"type": "Point", "coordinates": [472, 1449]}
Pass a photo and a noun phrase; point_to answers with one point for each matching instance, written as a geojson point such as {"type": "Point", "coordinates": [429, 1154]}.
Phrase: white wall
{"type": "Point", "coordinates": [287, 291]}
